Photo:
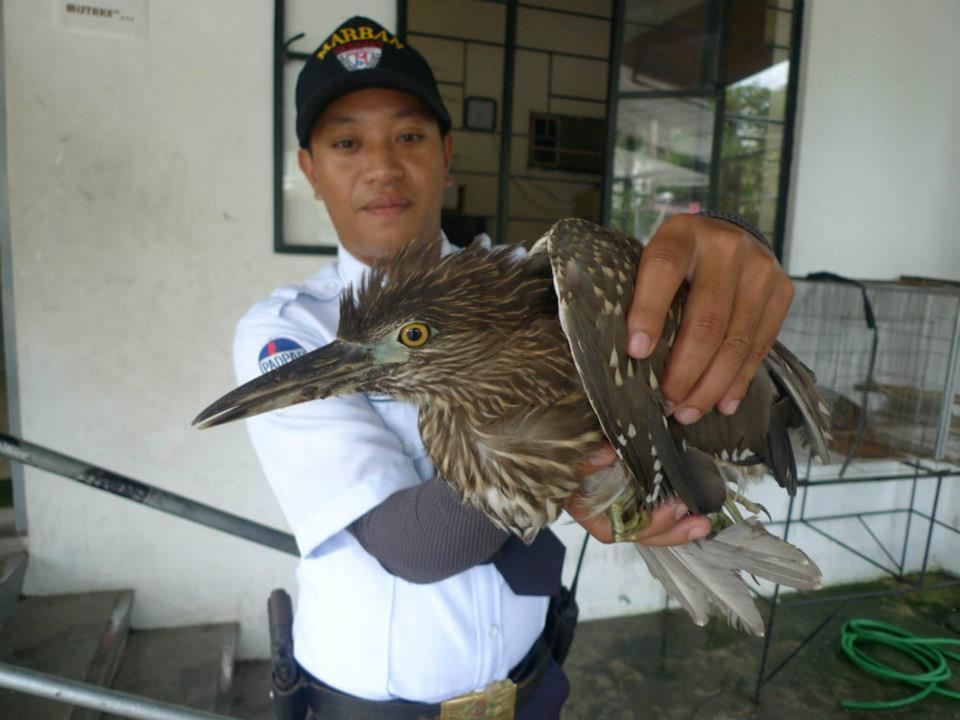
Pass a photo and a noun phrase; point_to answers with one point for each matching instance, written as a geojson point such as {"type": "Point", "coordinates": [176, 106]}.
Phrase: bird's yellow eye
{"type": "Point", "coordinates": [414, 334]}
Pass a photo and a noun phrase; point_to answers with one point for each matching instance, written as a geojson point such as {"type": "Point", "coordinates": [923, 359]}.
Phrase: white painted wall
{"type": "Point", "coordinates": [140, 184]}
{"type": "Point", "coordinates": [140, 192]}
{"type": "Point", "coordinates": [877, 160]}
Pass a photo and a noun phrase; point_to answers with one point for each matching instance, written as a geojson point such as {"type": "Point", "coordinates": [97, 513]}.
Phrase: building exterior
{"type": "Point", "coordinates": [141, 224]}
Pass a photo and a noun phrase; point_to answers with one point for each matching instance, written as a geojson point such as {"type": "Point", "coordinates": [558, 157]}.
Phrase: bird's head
{"type": "Point", "coordinates": [414, 329]}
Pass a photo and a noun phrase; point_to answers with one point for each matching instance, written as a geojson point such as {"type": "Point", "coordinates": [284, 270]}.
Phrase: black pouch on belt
{"type": "Point", "coordinates": [563, 613]}
{"type": "Point", "coordinates": [561, 622]}
{"type": "Point", "coordinates": [289, 692]}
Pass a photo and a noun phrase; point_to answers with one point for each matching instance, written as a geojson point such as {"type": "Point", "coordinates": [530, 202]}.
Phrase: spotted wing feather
{"type": "Point", "coordinates": [593, 271]}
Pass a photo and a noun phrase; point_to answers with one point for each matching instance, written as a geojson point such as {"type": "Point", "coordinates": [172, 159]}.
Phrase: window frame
{"type": "Point", "coordinates": [716, 93]}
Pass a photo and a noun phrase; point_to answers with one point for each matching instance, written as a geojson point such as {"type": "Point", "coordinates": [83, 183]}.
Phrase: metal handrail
{"type": "Point", "coordinates": [96, 697]}
{"type": "Point", "coordinates": [144, 494]}
{"type": "Point", "coordinates": [64, 690]}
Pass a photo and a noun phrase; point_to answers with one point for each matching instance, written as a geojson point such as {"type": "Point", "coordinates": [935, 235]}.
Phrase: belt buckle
{"type": "Point", "coordinates": [497, 701]}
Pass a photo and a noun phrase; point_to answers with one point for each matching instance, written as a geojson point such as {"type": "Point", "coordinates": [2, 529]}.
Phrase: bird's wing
{"type": "Point", "coordinates": [797, 381]}
{"type": "Point", "coordinates": [593, 273]}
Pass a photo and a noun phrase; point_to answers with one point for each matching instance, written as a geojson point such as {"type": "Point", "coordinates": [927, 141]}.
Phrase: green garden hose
{"type": "Point", "coordinates": [855, 633]}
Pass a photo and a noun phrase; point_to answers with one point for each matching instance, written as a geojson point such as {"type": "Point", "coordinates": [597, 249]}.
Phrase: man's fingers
{"type": "Point", "coordinates": [735, 349]}
{"type": "Point", "coordinates": [706, 316]}
{"type": "Point", "coordinates": [597, 525]}
{"type": "Point", "coordinates": [767, 330]}
{"type": "Point", "coordinates": [689, 528]}
{"type": "Point", "coordinates": [664, 264]}
{"type": "Point", "coordinates": [670, 525]}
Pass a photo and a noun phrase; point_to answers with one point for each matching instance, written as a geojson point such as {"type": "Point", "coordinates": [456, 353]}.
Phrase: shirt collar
{"type": "Point", "coordinates": [351, 269]}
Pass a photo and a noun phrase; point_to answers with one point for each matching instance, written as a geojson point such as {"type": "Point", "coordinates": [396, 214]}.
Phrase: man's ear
{"type": "Point", "coordinates": [305, 159]}
{"type": "Point", "coordinates": [447, 157]}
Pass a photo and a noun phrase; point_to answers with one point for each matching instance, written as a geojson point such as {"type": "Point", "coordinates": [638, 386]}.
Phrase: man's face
{"type": "Point", "coordinates": [378, 162]}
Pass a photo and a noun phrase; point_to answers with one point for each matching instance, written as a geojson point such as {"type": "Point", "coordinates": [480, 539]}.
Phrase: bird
{"type": "Point", "coordinates": [518, 365]}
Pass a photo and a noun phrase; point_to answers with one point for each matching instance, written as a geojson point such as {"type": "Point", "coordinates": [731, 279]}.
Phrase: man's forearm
{"type": "Point", "coordinates": [425, 534]}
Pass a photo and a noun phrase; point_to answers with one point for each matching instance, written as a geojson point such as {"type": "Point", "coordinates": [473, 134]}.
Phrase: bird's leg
{"type": "Point", "coordinates": [734, 497]}
{"type": "Point", "coordinates": [627, 517]}
{"type": "Point", "coordinates": [719, 521]}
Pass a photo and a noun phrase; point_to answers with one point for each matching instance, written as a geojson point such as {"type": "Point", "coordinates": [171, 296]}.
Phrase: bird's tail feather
{"type": "Point", "coordinates": [703, 576]}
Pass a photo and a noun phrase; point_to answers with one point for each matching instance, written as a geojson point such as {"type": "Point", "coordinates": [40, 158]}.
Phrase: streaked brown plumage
{"type": "Point", "coordinates": [519, 367]}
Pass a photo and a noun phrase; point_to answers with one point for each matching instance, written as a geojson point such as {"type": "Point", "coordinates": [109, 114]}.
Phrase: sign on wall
{"type": "Point", "coordinates": [109, 17]}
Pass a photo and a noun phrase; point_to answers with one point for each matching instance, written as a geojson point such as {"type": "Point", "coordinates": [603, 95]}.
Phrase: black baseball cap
{"type": "Point", "coordinates": [362, 54]}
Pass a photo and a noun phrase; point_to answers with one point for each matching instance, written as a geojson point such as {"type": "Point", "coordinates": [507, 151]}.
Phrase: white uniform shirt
{"type": "Point", "coordinates": [357, 627]}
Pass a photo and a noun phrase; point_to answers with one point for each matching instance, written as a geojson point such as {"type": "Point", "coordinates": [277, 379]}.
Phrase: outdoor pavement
{"type": "Point", "coordinates": [662, 667]}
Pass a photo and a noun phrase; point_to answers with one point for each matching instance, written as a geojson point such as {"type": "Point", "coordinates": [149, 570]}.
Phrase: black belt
{"type": "Point", "coordinates": [328, 703]}
{"type": "Point", "coordinates": [294, 688]}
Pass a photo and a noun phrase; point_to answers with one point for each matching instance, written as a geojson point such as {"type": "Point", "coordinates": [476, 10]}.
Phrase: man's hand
{"type": "Point", "coordinates": [670, 524]}
{"type": "Point", "coordinates": [739, 297]}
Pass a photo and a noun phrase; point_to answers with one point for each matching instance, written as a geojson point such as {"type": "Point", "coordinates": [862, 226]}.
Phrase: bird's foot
{"type": "Point", "coordinates": [627, 518]}
{"type": "Point", "coordinates": [719, 521]}
{"type": "Point", "coordinates": [734, 498]}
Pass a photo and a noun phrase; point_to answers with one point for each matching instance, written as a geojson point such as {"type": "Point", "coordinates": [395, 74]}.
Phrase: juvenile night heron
{"type": "Point", "coordinates": [519, 367]}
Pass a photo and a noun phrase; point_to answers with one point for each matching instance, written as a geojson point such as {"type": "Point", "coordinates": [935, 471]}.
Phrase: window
{"type": "Point", "coordinates": [544, 62]}
{"type": "Point", "coordinates": [301, 224]}
{"type": "Point", "coordinates": [704, 109]}
{"type": "Point", "coordinates": [696, 113]}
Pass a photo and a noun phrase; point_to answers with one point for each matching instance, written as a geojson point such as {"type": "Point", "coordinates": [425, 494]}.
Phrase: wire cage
{"type": "Point", "coordinates": [886, 356]}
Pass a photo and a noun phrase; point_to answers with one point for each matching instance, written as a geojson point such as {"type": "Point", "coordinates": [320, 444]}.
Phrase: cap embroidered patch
{"type": "Point", "coordinates": [359, 56]}
{"type": "Point", "coordinates": [354, 36]}
{"type": "Point", "coordinates": [279, 352]}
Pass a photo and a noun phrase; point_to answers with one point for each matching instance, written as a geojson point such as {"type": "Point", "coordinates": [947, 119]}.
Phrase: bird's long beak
{"type": "Point", "coordinates": [334, 369]}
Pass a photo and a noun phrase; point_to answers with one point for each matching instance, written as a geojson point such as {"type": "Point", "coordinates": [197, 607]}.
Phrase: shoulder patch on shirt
{"type": "Point", "coordinates": [278, 352]}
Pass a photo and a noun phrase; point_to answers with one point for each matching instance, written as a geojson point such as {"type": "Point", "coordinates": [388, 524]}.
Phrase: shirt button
{"type": "Point", "coordinates": [493, 631]}
{"type": "Point", "coordinates": [330, 287]}
{"type": "Point", "coordinates": [408, 448]}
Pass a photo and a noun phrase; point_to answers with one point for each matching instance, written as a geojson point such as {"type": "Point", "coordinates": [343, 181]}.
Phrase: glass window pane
{"type": "Point", "coordinates": [662, 161]}
{"type": "Point", "coordinates": [757, 63]}
{"type": "Point", "coordinates": [537, 203]}
{"type": "Point", "coordinates": [750, 171]}
{"type": "Point", "coordinates": [466, 19]}
{"type": "Point", "coordinates": [747, 60]}
{"type": "Point", "coordinates": [560, 32]}
{"type": "Point", "coordinates": [527, 232]}
{"type": "Point", "coordinates": [657, 59]}
{"type": "Point", "coordinates": [761, 95]}
{"type": "Point", "coordinates": [305, 221]}
{"type": "Point", "coordinates": [760, 24]}
{"type": "Point", "coordinates": [588, 7]}
{"type": "Point", "coordinates": [676, 14]}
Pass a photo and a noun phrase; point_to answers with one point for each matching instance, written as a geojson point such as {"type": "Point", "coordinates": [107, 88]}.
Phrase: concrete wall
{"type": "Point", "coordinates": [140, 190]}
{"type": "Point", "coordinates": [877, 160]}
{"type": "Point", "coordinates": [140, 184]}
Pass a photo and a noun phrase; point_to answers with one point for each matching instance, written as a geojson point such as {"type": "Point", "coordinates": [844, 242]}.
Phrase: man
{"type": "Point", "coordinates": [406, 594]}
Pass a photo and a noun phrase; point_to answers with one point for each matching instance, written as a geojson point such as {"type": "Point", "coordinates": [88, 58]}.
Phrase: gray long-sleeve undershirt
{"type": "Point", "coordinates": [424, 533]}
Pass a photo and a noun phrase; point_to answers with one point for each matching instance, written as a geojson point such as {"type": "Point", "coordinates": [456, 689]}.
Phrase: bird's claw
{"type": "Point", "coordinates": [734, 499]}
{"type": "Point", "coordinates": [628, 518]}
